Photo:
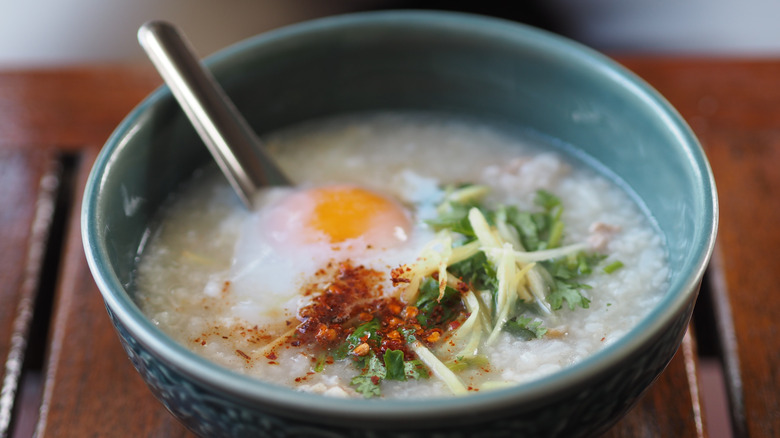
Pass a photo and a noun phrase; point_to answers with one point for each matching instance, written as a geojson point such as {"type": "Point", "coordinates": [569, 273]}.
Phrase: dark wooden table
{"type": "Point", "coordinates": [65, 374]}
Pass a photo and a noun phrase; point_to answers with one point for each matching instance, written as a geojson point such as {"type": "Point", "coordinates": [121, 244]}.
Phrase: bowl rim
{"type": "Point", "coordinates": [284, 399]}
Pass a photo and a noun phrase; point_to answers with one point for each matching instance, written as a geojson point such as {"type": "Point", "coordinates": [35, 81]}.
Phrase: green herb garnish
{"type": "Point", "coordinates": [394, 363]}
{"type": "Point", "coordinates": [612, 267]}
{"type": "Point", "coordinates": [432, 311]}
{"type": "Point", "coordinates": [367, 383]}
{"type": "Point", "coordinates": [366, 331]}
{"type": "Point", "coordinates": [525, 328]}
{"type": "Point", "coordinates": [501, 270]}
{"type": "Point", "coordinates": [415, 369]}
{"type": "Point", "coordinates": [566, 273]}
{"type": "Point", "coordinates": [455, 218]}
{"type": "Point", "coordinates": [476, 271]}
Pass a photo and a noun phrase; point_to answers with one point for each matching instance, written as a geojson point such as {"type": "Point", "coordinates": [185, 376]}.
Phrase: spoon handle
{"type": "Point", "coordinates": [226, 133]}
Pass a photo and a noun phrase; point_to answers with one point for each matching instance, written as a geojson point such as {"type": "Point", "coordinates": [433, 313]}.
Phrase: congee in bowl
{"type": "Point", "coordinates": [417, 257]}
{"type": "Point", "coordinates": [493, 231]}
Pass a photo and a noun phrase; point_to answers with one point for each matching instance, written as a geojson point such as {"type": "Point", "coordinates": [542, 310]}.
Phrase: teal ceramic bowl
{"type": "Point", "coordinates": [461, 64]}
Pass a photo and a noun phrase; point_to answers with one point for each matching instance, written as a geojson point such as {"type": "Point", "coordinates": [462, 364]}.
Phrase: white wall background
{"type": "Point", "coordinates": [58, 32]}
{"type": "Point", "coordinates": [748, 27]}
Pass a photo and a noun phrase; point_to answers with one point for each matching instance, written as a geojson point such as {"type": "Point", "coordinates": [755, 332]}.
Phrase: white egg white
{"type": "Point", "coordinates": [272, 264]}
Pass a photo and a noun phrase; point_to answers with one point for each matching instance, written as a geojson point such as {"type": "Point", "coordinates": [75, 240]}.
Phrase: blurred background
{"type": "Point", "coordinates": [61, 32]}
{"type": "Point", "coordinates": [54, 33]}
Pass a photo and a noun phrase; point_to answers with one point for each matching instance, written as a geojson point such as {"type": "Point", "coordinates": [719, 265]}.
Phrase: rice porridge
{"type": "Point", "coordinates": [417, 256]}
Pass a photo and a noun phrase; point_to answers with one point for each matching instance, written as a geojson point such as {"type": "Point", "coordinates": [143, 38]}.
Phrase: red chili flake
{"type": "Point", "coordinates": [394, 344]}
{"type": "Point", "coordinates": [271, 355]}
{"type": "Point", "coordinates": [242, 354]}
{"type": "Point", "coordinates": [324, 316]}
{"type": "Point", "coordinates": [352, 296]}
{"type": "Point", "coordinates": [396, 275]}
{"type": "Point", "coordinates": [375, 380]}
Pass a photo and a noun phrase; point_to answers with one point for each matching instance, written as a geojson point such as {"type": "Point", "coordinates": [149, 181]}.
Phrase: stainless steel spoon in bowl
{"type": "Point", "coordinates": [231, 141]}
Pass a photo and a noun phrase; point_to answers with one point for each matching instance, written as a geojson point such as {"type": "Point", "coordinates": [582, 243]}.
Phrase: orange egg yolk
{"type": "Point", "coordinates": [348, 212]}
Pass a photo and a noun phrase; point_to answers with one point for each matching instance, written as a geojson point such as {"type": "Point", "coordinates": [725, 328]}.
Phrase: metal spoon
{"type": "Point", "coordinates": [228, 136]}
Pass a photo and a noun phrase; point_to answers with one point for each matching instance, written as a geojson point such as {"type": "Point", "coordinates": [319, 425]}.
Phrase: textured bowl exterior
{"type": "Point", "coordinates": [516, 76]}
{"type": "Point", "coordinates": [585, 410]}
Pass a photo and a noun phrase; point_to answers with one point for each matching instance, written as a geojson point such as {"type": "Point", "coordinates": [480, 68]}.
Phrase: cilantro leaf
{"type": "Point", "coordinates": [570, 292]}
{"type": "Point", "coordinates": [408, 334]}
{"type": "Point", "coordinates": [433, 312]}
{"type": "Point", "coordinates": [415, 369]}
{"type": "Point", "coordinates": [393, 367]}
{"type": "Point", "coordinates": [547, 200]}
{"type": "Point", "coordinates": [529, 227]}
{"type": "Point", "coordinates": [476, 271]}
{"type": "Point", "coordinates": [366, 330]}
{"type": "Point", "coordinates": [566, 273]}
{"type": "Point", "coordinates": [455, 219]}
{"type": "Point", "coordinates": [537, 230]}
{"type": "Point", "coordinates": [394, 364]}
{"type": "Point", "coordinates": [525, 328]}
{"type": "Point", "coordinates": [368, 382]}
{"type": "Point", "coordinates": [364, 384]}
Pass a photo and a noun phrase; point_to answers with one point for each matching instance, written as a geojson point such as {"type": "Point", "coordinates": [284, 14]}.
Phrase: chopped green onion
{"type": "Point", "coordinates": [612, 267]}
{"type": "Point", "coordinates": [556, 233]}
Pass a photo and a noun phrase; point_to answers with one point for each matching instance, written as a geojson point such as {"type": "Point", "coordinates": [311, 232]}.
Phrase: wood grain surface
{"type": "Point", "coordinates": [28, 182]}
{"type": "Point", "coordinates": [55, 118]}
{"type": "Point", "coordinates": [734, 109]}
